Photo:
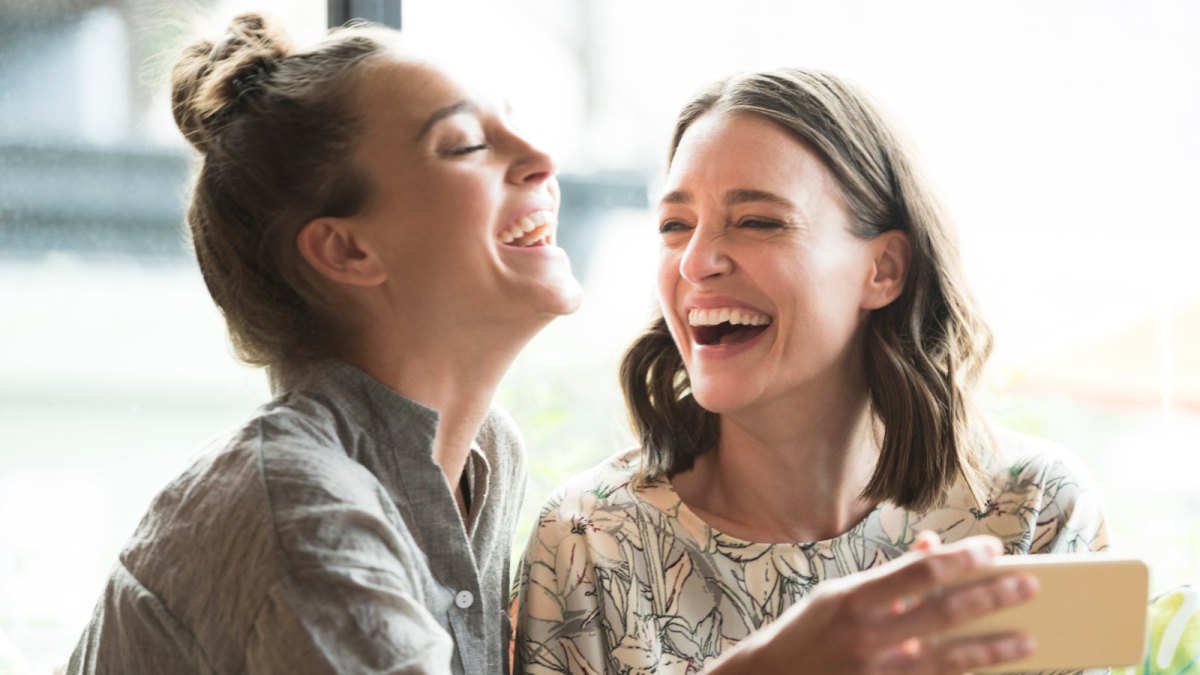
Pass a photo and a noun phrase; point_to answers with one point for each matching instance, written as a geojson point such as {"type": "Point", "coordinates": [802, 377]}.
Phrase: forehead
{"type": "Point", "coordinates": [737, 150]}
{"type": "Point", "coordinates": [405, 89]}
{"type": "Point", "coordinates": [400, 92]}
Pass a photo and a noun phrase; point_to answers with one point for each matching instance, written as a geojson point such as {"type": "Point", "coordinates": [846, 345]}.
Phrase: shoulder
{"type": "Point", "coordinates": [305, 450]}
{"type": "Point", "coordinates": [1041, 498]}
{"type": "Point", "coordinates": [1038, 497]}
{"type": "Point", "coordinates": [1023, 463]}
{"type": "Point", "coordinates": [499, 428]}
{"type": "Point", "coordinates": [243, 495]}
{"type": "Point", "coordinates": [218, 493]}
{"type": "Point", "coordinates": [325, 507]}
{"type": "Point", "coordinates": [1058, 487]}
{"type": "Point", "coordinates": [601, 504]}
{"type": "Point", "coordinates": [610, 486]}
{"type": "Point", "coordinates": [502, 444]}
{"type": "Point", "coordinates": [588, 526]}
{"type": "Point", "coordinates": [210, 544]}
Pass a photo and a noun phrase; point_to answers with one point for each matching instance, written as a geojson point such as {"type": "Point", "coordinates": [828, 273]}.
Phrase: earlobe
{"type": "Point", "coordinates": [892, 252]}
{"type": "Point", "coordinates": [330, 247]}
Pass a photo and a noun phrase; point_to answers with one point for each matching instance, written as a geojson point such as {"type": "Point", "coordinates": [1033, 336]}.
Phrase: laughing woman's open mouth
{"type": "Point", "coordinates": [726, 325]}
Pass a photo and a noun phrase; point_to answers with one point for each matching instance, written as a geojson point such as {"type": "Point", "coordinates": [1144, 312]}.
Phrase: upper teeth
{"type": "Point", "coordinates": [734, 315]}
{"type": "Point", "coordinates": [528, 224]}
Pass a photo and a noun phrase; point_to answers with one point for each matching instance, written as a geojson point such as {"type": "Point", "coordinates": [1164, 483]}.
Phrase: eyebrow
{"type": "Point", "coordinates": [442, 113]}
{"type": "Point", "coordinates": [733, 198]}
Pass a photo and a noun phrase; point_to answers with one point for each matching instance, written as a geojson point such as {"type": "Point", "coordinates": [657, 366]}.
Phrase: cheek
{"type": "Point", "coordinates": [451, 212]}
{"type": "Point", "coordinates": [813, 290]}
{"type": "Point", "coordinates": [668, 274]}
{"type": "Point", "coordinates": [452, 190]}
{"type": "Point", "coordinates": [668, 285]}
{"type": "Point", "coordinates": [834, 298]}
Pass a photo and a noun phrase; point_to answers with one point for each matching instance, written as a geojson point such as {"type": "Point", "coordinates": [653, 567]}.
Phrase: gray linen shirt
{"type": "Point", "coordinates": [321, 538]}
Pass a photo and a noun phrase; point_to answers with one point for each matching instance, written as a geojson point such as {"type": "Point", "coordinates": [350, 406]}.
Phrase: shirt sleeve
{"type": "Point", "coordinates": [351, 596]}
{"type": "Point", "coordinates": [346, 620]}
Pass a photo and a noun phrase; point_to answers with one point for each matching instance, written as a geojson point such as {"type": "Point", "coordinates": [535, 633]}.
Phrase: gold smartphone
{"type": "Point", "coordinates": [1090, 612]}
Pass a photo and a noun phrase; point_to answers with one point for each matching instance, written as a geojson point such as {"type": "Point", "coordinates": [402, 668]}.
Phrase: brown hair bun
{"type": "Point", "coordinates": [210, 78]}
{"type": "Point", "coordinates": [277, 127]}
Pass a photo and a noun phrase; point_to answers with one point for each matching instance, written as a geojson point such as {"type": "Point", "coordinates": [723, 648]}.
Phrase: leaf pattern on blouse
{"type": "Point", "coordinates": [620, 577]}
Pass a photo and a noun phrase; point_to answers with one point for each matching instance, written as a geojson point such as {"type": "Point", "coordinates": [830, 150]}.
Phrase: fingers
{"type": "Point", "coordinates": [926, 540]}
{"type": "Point", "coordinates": [965, 655]}
{"type": "Point", "coordinates": [955, 658]}
{"type": "Point", "coordinates": [922, 571]}
{"type": "Point", "coordinates": [938, 612]}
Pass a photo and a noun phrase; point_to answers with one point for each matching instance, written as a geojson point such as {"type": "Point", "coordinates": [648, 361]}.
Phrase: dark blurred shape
{"type": "Point", "coordinates": [586, 198]}
{"type": "Point", "coordinates": [91, 202]}
{"type": "Point", "coordinates": [130, 201]}
{"type": "Point", "coordinates": [77, 173]}
{"type": "Point", "coordinates": [385, 12]}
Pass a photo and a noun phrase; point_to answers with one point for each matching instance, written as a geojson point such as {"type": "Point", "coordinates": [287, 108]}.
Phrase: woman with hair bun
{"type": "Point", "coordinates": [803, 403]}
{"type": "Point", "coordinates": [381, 240]}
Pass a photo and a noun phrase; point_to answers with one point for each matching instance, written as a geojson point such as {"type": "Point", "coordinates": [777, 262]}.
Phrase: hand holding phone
{"type": "Point", "coordinates": [1090, 611]}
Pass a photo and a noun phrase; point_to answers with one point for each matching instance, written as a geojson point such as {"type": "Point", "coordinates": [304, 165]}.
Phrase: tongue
{"type": "Point", "coordinates": [725, 333]}
{"type": "Point", "coordinates": [736, 334]}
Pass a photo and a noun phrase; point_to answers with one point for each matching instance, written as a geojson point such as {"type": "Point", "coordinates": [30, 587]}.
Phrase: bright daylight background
{"type": "Point", "coordinates": [1063, 136]}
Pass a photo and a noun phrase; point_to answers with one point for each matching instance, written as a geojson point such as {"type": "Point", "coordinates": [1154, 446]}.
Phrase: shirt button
{"type": "Point", "coordinates": [464, 599]}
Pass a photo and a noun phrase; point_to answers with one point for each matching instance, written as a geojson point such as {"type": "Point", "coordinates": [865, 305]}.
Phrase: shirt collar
{"type": "Point", "coordinates": [383, 413]}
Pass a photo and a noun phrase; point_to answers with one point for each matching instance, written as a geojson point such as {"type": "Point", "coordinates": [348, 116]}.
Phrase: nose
{"type": "Point", "coordinates": [530, 163]}
{"type": "Point", "coordinates": [704, 257]}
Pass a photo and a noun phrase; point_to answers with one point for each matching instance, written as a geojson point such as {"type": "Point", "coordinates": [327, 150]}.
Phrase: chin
{"type": "Point", "coordinates": [570, 302]}
{"type": "Point", "coordinates": [717, 399]}
{"type": "Point", "coordinates": [560, 298]}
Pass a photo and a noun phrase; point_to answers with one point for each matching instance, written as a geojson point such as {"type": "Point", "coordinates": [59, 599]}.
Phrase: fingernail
{"type": "Point", "coordinates": [1016, 647]}
{"type": "Point", "coordinates": [987, 553]}
{"type": "Point", "coordinates": [1027, 585]}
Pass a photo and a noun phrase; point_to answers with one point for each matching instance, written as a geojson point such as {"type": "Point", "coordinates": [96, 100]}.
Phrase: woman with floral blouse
{"type": "Point", "coordinates": [807, 435]}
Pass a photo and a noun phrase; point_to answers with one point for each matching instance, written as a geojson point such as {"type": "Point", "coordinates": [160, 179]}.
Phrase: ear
{"type": "Point", "coordinates": [330, 246]}
{"type": "Point", "coordinates": [891, 254]}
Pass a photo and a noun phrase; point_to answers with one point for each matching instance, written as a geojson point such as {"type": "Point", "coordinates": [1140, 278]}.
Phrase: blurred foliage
{"type": "Point", "coordinates": [572, 418]}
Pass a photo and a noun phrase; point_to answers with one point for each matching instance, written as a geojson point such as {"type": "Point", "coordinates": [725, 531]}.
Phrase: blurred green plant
{"type": "Point", "coordinates": [1173, 635]}
{"type": "Point", "coordinates": [572, 418]}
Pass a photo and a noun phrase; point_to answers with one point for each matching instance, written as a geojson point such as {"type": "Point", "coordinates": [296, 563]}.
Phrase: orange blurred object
{"type": "Point", "coordinates": [1127, 368]}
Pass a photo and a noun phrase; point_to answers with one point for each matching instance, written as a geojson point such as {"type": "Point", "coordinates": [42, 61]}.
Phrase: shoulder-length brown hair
{"type": "Point", "coordinates": [924, 351]}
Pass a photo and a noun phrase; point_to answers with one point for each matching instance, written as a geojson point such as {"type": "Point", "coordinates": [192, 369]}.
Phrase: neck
{"type": "Point", "coordinates": [452, 369]}
{"type": "Point", "coordinates": [788, 475]}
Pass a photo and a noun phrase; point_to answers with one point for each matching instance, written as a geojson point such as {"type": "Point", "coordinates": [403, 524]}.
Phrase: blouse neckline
{"type": "Point", "coordinates": [660, 495]}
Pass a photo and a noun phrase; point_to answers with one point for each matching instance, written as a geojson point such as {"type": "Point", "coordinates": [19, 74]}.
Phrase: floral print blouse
{"type": "Point", "coordinates": [619, 576]}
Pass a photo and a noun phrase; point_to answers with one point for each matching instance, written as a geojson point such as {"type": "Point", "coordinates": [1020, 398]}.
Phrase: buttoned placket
{"type": "Point", "coordinates": [466, 598]}
{"type": "Point", "coordinates": [446, 539]}
{"type": "Point", "coordinates": [400, 453]}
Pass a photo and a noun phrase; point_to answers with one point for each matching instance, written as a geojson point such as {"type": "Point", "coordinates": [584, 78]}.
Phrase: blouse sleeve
{"type": "Point", "coordinates": [555, 605]}
{"type": "Point", "coordinates": [1071, 517]}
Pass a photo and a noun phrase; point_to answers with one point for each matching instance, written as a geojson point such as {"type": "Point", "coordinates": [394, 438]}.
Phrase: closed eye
{"type": "Point", "coordinates": [758, 224]}
{"type": "Point", "coordinates": [468, 149]}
